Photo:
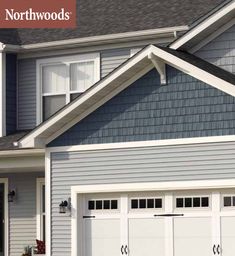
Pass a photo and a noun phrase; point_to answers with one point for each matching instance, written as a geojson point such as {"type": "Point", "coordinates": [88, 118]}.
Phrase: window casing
{"type": "Point", "coordinates": [61, 79]}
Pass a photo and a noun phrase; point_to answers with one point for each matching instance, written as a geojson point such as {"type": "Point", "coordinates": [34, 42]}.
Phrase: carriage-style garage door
{"type": "Point", "coordinates": [162, 224]}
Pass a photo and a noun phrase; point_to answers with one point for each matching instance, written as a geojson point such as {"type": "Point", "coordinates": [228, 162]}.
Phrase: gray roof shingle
{"type": "Point", "coordinates": [102, 17]}
{"type": "Point", "coordinates": [6, 143]}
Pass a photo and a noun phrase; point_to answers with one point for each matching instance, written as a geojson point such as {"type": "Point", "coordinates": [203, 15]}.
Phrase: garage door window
{"type": "Point", "coordinates": [105, 204]}
{"type": "Point", "coordinates": [146, 203]}
{"type": "Point", "coordinates": [192, 202]}
{"type": "Point", "coordinates": [229, 201]}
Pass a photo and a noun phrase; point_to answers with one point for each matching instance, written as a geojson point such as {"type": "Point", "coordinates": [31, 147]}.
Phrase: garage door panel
{"type": "Point", "coordinates": [228, 236]}
{"type": "Point", "coordinates": [146, 237]}
{"type": "Point", "coordinates": [192, 236]}
{"type": "Point", "coordinates": [102, 237]}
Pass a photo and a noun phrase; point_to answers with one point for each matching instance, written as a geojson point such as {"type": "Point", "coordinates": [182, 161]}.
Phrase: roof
{"type": "Point", "coordinates": [210, 26]}
{"type": "Point", "coordinates": [112, 17]}
{"type": "Point", "coordinates": [202, 64]}
{"type": "Point", "coordinates": [6, 143]}
{"type": "Point", "coordinates": [118, 80]}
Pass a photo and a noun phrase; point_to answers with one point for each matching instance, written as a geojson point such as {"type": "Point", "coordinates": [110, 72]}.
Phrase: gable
{"type": "Point", "coordinates": [146, 110]}
{"type": "Point", "coordinates": [220, 51]}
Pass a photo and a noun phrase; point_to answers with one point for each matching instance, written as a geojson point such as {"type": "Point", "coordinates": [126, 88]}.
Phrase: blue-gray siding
{"type": "Point", "coordinates": [221, 50]}
{"type": "Point", "coordinates": [22, 212]}
{"type": "Point", "coordinates": [146, 110]}
{"type": "Point", "coordinates": [146, 164]}
{"type": "Point", "coordinates": [11, 77]}
{"type": "Point", "coordinates": [26, 94]}
{"type": "Point", "coordinates": [110, 59]}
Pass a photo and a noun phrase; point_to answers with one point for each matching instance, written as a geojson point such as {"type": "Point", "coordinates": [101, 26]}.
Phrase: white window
{"type": "Point", "coordinates": [41, 213]}
{"type": "Point", "coordinates": [60, 80]}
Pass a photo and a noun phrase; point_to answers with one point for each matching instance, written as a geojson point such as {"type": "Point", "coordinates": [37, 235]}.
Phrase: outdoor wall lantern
{"type": "Point", "coordinates": [11, 196]}
{"type": "Point", "coordinates": [65, 206]}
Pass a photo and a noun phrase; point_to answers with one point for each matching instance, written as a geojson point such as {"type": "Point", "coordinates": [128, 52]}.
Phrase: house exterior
{"type": "Point", "coordinates": [118, 137]}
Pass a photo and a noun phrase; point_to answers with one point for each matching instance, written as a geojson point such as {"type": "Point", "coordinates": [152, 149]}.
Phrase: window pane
{"type": "Point", "coordinates": [205, 201]}
{"type": "Point", "coordinates": [98, 205]}
{"type": "Point", "coordinates": [150, 203]}
{"type": "Point", "coordinates": [106, 204]}
{"type": "Point", "coordinates": [54, 79]}
{"type": "Point", "coordinates": [227, 201]}
{"type": "Point", "coordinates": [134, 204]}
{"type": "Point", "coordinates": [142, 203]}
{"type": "Point", "coordinates": [114, 204]}
{"type": "Point", "coordinates": [196, 202]}
{"type": "Point", "coordinates": [52, 104]}
{"type": "Point", "coordinates": [179, 202]}
{"type": "Point", "coordinates": [91, 205]}
{"type": "Point", "coordinates": [188, 202]}
{"type": "Point", "coordinates": [82, 76]}
{"type": "Point", "coordinates": [158, 203]}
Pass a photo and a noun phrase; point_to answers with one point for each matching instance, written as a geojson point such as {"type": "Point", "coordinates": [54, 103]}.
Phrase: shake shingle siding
{"type": "Point", "coordinates": [11, 76]}
{"type": "Point", "coordinates": [146, 110]}
{"type": "Point", "coordinates": [220, 51]}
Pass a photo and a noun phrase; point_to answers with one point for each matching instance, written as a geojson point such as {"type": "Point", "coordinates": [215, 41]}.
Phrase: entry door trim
{"type": "Point", "coordinates": [6, 218]}
{"type": "Point", "coordinates": [80, 190]}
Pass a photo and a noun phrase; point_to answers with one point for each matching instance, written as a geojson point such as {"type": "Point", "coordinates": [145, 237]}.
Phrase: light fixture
{"type": "Point", "coordinates": [11, 196]}
{"type": "Point", "coordinates": [65, 206]}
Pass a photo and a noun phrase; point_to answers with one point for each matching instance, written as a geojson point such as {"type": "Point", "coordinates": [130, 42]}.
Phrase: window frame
{"type": "Point", "coordinates": [40, 213]}
{"type": "Point", "coordinates": [67, 60]}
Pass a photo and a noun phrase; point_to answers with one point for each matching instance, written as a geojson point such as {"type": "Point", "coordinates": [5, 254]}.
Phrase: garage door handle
{"type": "Point", "coordinates": [214, 249]}
{"type": "Point", "coordinates": [169, 215]}
{"type": "Point", "coordinates": [122, 250]}
{"type": "Point", "coordinates": [126, 250]}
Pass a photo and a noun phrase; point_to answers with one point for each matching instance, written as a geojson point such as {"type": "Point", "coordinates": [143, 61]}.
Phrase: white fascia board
{"type": "Point", "coordinates": [2, 91]}
{"type": "Point", "coordinates": [203, 25]}
{"type": "Point", "coordinates": [33, 139]}
{"type": "Point", "coordinates": [21, 152]}
{"type": "Point", "coordinates": [103, 39]}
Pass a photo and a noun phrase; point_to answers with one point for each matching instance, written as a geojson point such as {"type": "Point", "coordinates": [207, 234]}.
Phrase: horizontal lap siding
{"type": "Point", "coordinates": [22, 212]}
{"type": "Point", "coordinates": [111, 59]}
{"type": "Point", "coordinates": [26, 94]}
{"type": "Point", "coordinates": [152, 164]}
{"type": "Point", "coordinates": [221, 50]}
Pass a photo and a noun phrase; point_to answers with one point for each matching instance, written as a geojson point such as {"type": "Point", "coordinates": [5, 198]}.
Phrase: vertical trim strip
{"type": "Point", "coordinates": [2, 92]}
{"type": "Point", "coordinates": [48, 202]}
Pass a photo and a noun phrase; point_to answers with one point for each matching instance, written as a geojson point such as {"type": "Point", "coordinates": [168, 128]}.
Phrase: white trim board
{"type": "Point", "coordinates": [201, 27]}
{"type": "Point", "coordinates": [39, 183]}
{"type": "Point", "coordinates": [150, 143]}
{"type": "Point", "coordinates": [79, 191]}
{"type": "Point", "coordinates": [117, 81]}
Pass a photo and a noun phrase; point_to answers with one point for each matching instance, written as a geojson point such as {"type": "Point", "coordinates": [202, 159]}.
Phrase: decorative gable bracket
{"type": "Point", "coordinates": [160, 67]}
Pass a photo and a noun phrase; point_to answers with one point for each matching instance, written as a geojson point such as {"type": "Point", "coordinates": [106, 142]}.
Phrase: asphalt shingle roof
{"type": "Point", "coordinates": [102, 17]}
{"type": "Point", "coordinates": [6, 143]}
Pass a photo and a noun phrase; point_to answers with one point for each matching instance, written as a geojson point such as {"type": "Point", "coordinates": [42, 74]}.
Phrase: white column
{"type": "Point", "coordinates": [2, 91]}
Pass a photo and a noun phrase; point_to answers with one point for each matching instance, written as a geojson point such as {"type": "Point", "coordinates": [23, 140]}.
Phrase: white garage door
{"type": "Point", "coordinates": [161, 224]}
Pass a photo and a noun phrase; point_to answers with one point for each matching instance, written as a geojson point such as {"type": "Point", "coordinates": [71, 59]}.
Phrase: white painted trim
{"type": "Point", "coordinates": [39, 183]}
{"type": "Point", "coordinates": [212, 36]}
{"type": "Point", "coordinates": [6, 215]}
{"type": "Point", "coordinates": [212, 19]}
{"type": "Point", "coordinates": [61, 60]}
{"type": "Point", "coordinates": [2, 92]}
{"type": "Point", "coordinates": [48, 202]}
{"type": "Point", "coordinates": [34, 137]}
{"type": "Point", "coordinates": [103, 39]}
{"type": "Point", "coordinates": [96, 48]}
{"type": "Point", "coordinates": [149, 143]}
{"type": "Point", "coordinates": [22, 152]}
{"type": "Point", "coordinates": [135, 187]}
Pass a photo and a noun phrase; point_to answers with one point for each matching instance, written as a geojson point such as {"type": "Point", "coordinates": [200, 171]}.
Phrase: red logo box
{"type": "Point", "coordinates": [38, 13]}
